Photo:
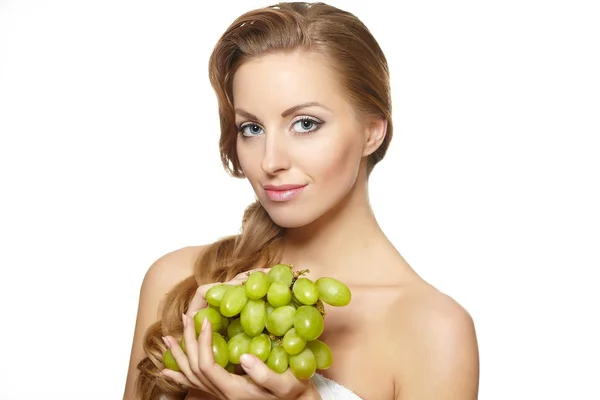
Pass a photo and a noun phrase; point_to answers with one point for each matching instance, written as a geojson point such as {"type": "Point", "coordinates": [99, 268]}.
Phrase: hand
{"type": "Point", "coordinates": [199, 370]}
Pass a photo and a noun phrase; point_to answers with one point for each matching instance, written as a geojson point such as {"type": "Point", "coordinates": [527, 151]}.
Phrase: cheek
{"type": "Point", "coordinates": [337, 161]}
{"type": "Point", "coordinates": [246, 157]}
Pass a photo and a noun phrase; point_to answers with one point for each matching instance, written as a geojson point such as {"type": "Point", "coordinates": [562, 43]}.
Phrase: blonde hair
{"type": "Point", "coordinates": [352, 52]}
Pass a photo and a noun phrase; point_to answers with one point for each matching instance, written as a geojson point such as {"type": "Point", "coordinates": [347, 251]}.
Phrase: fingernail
{"type": "Point", "coordinates": [166, 342]}
{"type": "Point", "coordinates": [204, 324]}
{"type": "Point", "coordinates": [247, 361]}
{"type": "Point", "coordinates": [184, 319]}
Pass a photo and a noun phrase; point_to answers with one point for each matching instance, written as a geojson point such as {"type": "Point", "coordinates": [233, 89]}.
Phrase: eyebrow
{"type": "Point", "coordinates": [284, 114]}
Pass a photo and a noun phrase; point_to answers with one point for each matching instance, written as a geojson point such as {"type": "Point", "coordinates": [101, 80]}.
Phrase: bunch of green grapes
{"type": "Point", "coordinates": [277, 316]}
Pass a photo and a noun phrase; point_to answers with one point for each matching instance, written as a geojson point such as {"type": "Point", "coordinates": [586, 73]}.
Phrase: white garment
{"type": "Point", "coordinates": [331, 390]}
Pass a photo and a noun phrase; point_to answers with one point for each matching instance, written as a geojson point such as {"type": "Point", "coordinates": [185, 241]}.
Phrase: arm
{"type": "Point", "coordinates": [164, 274]}
{"type": "Point", "coordinates": [441, 354]}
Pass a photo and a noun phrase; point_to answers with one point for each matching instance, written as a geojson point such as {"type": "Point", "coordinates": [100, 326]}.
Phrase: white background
{"type": "Point", "coordinates": [109, 159]}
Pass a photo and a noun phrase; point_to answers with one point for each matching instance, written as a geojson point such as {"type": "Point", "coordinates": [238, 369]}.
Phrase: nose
{"type": "Point", "coordinates": [275, 156]}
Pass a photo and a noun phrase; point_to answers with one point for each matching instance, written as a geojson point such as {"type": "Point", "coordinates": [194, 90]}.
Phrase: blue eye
{"type": "Point", "coordinates": [253, 131]}
{"type": "Point", "coordinates": [307, 125]}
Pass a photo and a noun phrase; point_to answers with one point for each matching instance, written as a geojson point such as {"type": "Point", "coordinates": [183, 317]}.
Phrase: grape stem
{"type": "Point", "coordinates": [275, 339]}
{"type": "Point", "coordinates": [301, 272]}
{"type": "Point", "coordinates": [321, 307]}
{"type": "Point", "coordinates": [298, 274]}
{"type": "Point", "coordinates": [295, 301]}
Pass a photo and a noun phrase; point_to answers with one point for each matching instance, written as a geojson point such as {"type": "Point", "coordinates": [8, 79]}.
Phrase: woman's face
{"type": "Point", "coordinates": [299, 143]}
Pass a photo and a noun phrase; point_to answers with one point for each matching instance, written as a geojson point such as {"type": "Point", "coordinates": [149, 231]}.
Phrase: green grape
{"type": "Point", "coordinates": [270, 308]}
{"type": "Point", "coordinates": [292, 343]}
{"type": "Point", "coordinates": [234, 300]}
{"type": "Point", "coordinates": [308, 322]}
{"type": "Point", "coordinates": [306, 291]}
{"type": "Point", "coordinates": [215, 294]}
{"type": "Point", "coordinates": [281, 320]}
{"type": "Point", "coordinates": [238, 345]}
{"type": "Point", "coordinates": [333, 292]}
{"type": "Point", "coordinates": [213, 317]}
{"type": "Point", "coordinates": [303, 364]}
{"type": "Point", "coordinates": [257, 285]}
{"type": "Point", "coordinates": [254, 317]}
{"type": "Point", "coordinates": [224, 325]}
{"type": "Point", "coordinates": [322, 353]}
{"type": "Point", "coordinates": [260, 346]}
{"type": "Point", "coordinates": [281, 273]}
{"type": "Point", "coordinates": [220, 350]}
{"type": "Point", "coordinates": [278, 360]}
{"type": "Point", "coordinates": [169, 361]}
{"type": "Point", "coordinates": [279, 294]}
{"type": "Point", "coordinates": [234, 328]}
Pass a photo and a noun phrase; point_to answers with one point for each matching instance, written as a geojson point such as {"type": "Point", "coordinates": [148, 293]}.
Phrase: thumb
{"type": "Point", "coordinates": [264, 376]}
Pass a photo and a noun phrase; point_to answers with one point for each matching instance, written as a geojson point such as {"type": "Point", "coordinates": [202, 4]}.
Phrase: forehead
{"type": "Point", "coordinates": [281, 80]}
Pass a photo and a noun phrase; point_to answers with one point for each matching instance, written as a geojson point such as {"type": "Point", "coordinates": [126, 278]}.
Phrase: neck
{"type": "Point", "coordinates": [329, 244]}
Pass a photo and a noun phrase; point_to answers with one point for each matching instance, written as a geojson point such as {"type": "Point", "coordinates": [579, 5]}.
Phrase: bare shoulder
{"type": "Point", "coordinates": [162, 276]}
{"type": "Point", "coordinates": [437, 346]}
{"type": "Point", "coordinates": [170, 269]}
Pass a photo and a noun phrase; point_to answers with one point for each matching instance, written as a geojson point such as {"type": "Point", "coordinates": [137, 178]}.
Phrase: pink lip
{"type": "Point", "coordinates": [282, 187]}
{"type": "Point", "coordinates": [283, 192]}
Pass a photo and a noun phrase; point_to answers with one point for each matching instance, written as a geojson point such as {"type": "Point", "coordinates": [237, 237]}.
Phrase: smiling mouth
{"type": "Point", "coordinates": [283, 193]}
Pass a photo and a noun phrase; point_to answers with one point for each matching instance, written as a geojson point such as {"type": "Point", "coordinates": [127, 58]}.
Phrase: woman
{"type": "Point", "coordinates": [305, 113]}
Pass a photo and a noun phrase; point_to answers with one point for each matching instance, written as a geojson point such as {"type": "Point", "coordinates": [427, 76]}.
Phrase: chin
{"type": "Point", "coordinates": [287, 219]}
{"type": "Point", "coordinates": [291, 217]}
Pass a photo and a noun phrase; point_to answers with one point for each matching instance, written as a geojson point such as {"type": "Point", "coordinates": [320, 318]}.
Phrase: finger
{"type": "Point", "coordinates": [198, 302]}
{"type": "Point", "coordinates": [182, 361]}
{"type": "Point", "coordinates": [191, 346]}
{"type": "Point", "coordinates": [282, 385]}
{"type": "Point", "coordinates": [218, 376]}
{"type": "Point", "coordinates": [237, 280]}
{"type": "Point", "coordinates": [227, 384]}
{"type": "Point", "coordinates": [177, 377]}
{"type": "Point", "coordinates": [230, 386]}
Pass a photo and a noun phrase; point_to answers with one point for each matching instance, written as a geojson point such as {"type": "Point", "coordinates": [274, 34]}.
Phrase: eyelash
{"type": "Point", "coordinates": [315, 121]}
